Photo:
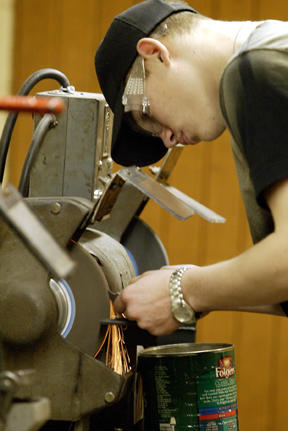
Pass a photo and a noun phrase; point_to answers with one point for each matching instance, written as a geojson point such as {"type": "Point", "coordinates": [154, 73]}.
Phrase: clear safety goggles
{"type": "Point", "coordinates": [136, 103]}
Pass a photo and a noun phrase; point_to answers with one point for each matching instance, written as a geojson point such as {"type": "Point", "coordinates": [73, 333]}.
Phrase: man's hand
{"type": "Point", "coordinates": [147, 301]}
{"type": "Point", "coordinates": [255, 280]}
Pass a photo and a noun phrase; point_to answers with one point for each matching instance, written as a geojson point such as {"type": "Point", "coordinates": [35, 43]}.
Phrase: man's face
{"type": "Point", "coordinates": [183, 102]}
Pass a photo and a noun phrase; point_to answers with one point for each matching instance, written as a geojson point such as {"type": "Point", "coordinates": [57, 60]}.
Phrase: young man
{"type": "Point", "coordinates": [171, 75]}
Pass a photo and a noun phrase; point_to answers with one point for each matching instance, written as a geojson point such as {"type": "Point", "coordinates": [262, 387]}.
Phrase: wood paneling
{"type": "Point", "coordinates": [64, 34]}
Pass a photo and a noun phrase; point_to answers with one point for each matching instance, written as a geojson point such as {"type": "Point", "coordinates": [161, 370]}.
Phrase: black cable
{"type": "Point", "coordinates": [12, 117]}
{"type": "Point", "coordinates": [46, 123]}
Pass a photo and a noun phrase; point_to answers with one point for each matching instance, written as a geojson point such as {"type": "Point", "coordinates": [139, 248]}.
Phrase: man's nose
{"type": "Point", "coordinates": [168, 137]}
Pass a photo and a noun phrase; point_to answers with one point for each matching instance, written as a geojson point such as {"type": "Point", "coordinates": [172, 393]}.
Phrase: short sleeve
{"type": "Point", "coordinates": [254, 101]}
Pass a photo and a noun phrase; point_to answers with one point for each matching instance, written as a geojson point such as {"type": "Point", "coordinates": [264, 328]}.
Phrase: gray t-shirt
{"type": "Point", "coordinates": [254, 102]}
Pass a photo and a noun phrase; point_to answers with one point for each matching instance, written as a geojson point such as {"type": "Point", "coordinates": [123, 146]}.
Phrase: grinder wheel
{"type": "Point", "coordinates": [90, 291]}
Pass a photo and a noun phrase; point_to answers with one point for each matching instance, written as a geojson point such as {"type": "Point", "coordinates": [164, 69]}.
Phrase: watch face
{"type": "Point", "coordinates": [183, 314]}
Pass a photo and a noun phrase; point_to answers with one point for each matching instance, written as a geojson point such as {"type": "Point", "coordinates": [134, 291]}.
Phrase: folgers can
{"type": "Point", "coordinates": [189, 387]}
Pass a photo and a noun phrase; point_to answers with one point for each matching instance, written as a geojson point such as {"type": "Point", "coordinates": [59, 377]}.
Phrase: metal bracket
{"type": "Point", "coordinates": [9, 383]}
{"type": "Point", "coordinates": [174, 201]}
{"type": "Point", "coordinates": [38, 240]}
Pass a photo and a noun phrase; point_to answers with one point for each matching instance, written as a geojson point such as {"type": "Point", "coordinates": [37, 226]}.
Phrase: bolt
{"type": "Point", "coordinates": [6, 384]}
{"type": "Point", "coordinates": [109, 162]}
{"type": "Point", "coordinates": [97, 194]}
{"type": "Point", "coordinates": [109, 397]}
{"type": "Point", "coordinates": [154, 170]}
{"type": "Point", "coordinates": [56, 208]}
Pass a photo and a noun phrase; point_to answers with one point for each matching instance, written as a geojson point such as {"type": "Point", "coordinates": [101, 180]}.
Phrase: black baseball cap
{"type": "Point", "coordinates": [114, 58]}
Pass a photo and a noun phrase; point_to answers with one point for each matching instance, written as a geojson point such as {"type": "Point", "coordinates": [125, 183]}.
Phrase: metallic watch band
{"type": "Point", "coordinates": [181, 310]}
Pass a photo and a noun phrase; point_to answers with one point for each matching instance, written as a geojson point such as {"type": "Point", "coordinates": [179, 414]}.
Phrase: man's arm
{"type": "Point", "coordinates": [257, 277]}
{"type": "Point", "coordinates": [256, 280]}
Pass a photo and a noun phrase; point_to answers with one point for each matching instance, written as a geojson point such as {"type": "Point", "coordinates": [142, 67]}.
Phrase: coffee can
{"type": "Point", "coordinates": [189, 387]}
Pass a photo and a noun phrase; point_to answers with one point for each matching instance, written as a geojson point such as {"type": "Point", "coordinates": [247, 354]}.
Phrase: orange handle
{"type": "Point", "coordinates": [40, 105]}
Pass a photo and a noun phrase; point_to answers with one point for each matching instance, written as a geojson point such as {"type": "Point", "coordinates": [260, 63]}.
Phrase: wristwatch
{"type": "Point", "coordinates": [181, 311]}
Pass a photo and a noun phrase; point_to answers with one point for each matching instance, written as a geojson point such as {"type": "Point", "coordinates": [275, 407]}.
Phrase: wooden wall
{"type": "Point", "coordinates": [6, 51]}
{"type": "Point", "coordinates": [64, 34]}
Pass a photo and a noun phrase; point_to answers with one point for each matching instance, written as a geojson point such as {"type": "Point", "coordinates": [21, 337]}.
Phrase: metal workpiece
{"type": "Point", "coordinates": [75, 155]}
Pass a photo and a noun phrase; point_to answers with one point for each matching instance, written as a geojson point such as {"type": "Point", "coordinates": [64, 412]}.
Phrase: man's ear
{"type": "Point", "coordinates": [149, 47]}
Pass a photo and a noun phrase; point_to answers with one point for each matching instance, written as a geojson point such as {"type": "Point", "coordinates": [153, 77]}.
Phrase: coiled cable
{"type": "Point", "coordinates": [46, 123]}
{"type": "Point", "coordinates": [30, 82]}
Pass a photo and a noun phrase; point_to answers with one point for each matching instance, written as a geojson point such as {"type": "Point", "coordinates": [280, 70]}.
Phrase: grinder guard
{"type": "Point", "coordinates": [94, 215]}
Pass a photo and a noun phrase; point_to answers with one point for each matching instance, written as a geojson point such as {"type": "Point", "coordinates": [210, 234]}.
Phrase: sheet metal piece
{"type": "Point", "coordinates": [198, 208]}
{"type": "Point", "coordinates": [174, 201]}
